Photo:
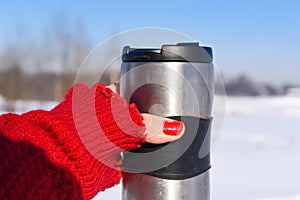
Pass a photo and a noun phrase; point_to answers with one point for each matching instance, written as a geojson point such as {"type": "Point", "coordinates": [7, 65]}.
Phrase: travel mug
{"type": "Point", "coordinates": [177, 82]}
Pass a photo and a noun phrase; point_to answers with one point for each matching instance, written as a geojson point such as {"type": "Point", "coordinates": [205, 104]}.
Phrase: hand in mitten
{"type": "Point", "coordinates": [73, 151]}
{"type": "Point", "coordinates": [106, 126]}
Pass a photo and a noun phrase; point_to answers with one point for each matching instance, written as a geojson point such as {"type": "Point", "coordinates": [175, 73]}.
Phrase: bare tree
{"type": "Point", "coordinates": [11, 80]}
{"type": "Point", "coordinates": [67, 51]}
{"type": "Point", "coordinates": [42, 68]}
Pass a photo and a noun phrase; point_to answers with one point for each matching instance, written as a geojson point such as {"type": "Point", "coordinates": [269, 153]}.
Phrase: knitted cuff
{"type": "Point", "coordinates": [92, 126]}
{"type": "Point", "coordinates": [100, 112]}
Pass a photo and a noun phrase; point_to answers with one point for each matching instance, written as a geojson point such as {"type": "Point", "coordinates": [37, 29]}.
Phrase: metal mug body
{"type": "Point", "coordinates": [169, 88]}
{"type": "Point", "coordinates": [141, 186]}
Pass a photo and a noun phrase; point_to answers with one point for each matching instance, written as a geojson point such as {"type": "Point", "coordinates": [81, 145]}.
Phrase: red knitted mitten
{"type": "Point", "coordinates": [73, 149]}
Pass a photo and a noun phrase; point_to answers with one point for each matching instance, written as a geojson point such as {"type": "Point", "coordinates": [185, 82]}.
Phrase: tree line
{"type": "Point", "coordinates": [16, 84]}
{"type": "Point", "coordinates": [243, 85]}
{"type": "Point", "coordinates": [44, 68]}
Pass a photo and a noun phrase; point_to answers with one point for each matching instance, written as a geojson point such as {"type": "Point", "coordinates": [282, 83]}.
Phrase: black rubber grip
{"type": "Point", "coordinates": [186, 164]}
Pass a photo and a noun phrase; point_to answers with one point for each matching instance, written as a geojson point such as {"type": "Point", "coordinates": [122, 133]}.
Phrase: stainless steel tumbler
{"type": "Point", "coordinates": [174, 81]}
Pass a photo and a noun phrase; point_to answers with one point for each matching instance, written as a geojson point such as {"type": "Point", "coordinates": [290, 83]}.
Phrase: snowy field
{"type": "Point", "coordinates": [258, 155]}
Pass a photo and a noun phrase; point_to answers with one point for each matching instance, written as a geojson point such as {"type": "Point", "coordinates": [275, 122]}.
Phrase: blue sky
{"type": "Point", "coordinates": [259, 37]}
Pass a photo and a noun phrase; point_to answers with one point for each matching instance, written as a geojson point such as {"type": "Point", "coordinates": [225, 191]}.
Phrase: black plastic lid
{"type": "Point", "coordinates": [181, 52]}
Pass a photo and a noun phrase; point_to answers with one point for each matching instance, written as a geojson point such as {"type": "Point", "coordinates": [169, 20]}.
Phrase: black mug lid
{"type": "Point", "coordinates": [181, 52]}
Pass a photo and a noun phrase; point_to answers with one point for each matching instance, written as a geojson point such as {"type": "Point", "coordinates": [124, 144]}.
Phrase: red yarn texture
{"type": "Point", "coordinates": [70, 152]}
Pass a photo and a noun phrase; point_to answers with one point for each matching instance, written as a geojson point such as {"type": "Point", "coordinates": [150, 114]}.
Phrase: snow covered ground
{"type": "Point", "coordinates": [258, 155]}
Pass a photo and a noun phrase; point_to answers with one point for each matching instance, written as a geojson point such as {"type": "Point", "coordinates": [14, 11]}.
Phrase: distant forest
{"type": "Point", "coordinates": [243, 85]}
{"type": "Point", "coordinates": [44, 86]}
{"type": "Point", "coordinates": [43, 68]}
